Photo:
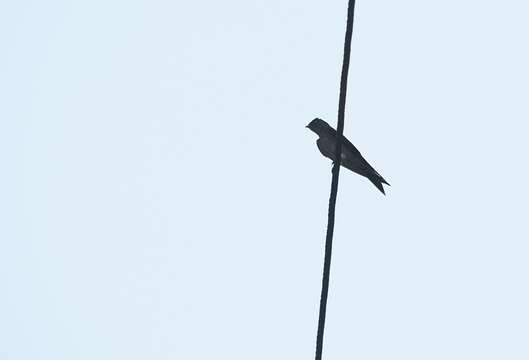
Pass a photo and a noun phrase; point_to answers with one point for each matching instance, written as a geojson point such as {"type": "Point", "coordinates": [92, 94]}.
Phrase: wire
{"type": "Point", "coordinates": [334, 181]}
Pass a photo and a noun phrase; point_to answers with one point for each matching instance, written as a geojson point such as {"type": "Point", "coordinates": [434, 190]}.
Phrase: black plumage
{"type": "Point", "coordinates": [350, 157]}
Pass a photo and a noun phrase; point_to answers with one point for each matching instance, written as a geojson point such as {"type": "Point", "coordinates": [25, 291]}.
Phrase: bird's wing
{"type": "Point", "coordinates": [346, 143]}
{"type": "Point", "coordinates": [353, 159]}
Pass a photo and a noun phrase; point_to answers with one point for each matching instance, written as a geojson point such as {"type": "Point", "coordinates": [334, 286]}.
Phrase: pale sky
{"type": "Point", "coordinates": [163, 200]}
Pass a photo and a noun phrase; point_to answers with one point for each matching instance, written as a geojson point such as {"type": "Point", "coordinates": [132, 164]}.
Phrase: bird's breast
{"type": "Point", "coordinates": [327, 147]}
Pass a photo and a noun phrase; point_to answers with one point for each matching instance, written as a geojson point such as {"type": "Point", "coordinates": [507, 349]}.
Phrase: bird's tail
{"type": "Point", "coordinates": [378, 180]}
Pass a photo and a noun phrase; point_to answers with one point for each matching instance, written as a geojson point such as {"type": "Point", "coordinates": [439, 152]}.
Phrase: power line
{"type": "Point", "coordinates": [334, 181]}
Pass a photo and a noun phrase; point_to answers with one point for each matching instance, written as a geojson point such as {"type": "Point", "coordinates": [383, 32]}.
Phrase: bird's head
{"type": "Point", "coordinates": [319, 126]}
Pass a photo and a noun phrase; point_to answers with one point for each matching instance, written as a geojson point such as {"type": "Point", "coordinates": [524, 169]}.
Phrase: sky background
{"type": "Point", "coordinates": [161, 198]}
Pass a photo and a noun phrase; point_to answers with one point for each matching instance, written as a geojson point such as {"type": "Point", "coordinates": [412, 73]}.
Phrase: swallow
{"type": "Point", "coordinates": [350, 157]}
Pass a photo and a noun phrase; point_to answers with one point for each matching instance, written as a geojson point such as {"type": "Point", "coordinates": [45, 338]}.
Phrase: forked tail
{"type": "Point", "coordinates": [378, 180]}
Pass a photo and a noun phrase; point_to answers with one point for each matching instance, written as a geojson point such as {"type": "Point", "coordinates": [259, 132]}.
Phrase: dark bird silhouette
{"type": "Point", "coordinates": [351, 157]}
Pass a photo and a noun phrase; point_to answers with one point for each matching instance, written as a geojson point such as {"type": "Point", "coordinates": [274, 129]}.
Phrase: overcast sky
{"type": "Point", "coordinates": [161, 198]}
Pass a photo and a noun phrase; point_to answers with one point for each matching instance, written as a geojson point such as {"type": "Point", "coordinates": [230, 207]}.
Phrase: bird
{"type": "Point", "coordinates": [350, 157]}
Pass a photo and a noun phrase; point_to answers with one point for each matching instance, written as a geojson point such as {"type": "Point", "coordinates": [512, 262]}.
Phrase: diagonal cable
{"type": "Point", "coordinates": [334, 182]}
